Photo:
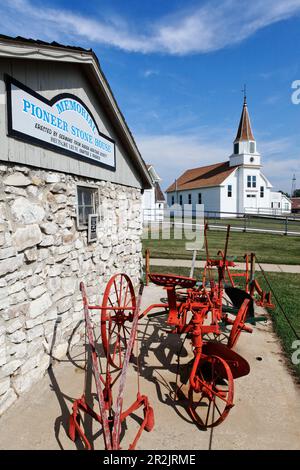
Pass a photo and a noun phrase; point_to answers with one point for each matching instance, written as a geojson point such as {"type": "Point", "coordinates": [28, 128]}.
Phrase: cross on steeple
{"type": "Point", "coordinates": [244, 90]}
{"type": "Point", "coordinates": [244, 132]}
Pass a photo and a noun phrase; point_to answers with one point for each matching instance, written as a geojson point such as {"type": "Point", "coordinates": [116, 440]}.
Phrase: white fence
{"type": "Point", "coordinates": [240, 222]}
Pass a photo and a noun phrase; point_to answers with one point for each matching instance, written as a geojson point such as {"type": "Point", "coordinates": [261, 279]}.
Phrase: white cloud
{"type": "Point", "coordinates": [173, 154]}
{"type": "Point", "coordinates": [148, 73]}
{"type": "Point", "coordinates": [212, 26]}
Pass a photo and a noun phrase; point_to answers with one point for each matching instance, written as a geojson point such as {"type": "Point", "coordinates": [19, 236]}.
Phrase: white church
{"type": "Point", "coordinates": [233, 187]}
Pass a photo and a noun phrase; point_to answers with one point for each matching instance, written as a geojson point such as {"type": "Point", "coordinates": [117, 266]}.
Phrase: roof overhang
{"type": "Point", "coordinates": [26, 49]}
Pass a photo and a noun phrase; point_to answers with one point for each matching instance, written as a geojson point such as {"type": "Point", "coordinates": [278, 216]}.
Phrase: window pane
{"type": "Point", "coordinates": [88, 210]}
{"type": "Point", "coordinates": [80, 215]}
{"type": "Point", "coordinates": [86, 203]}
{"type": "Point", "coordinates": [88, 197]}
{"type": "Point", "coordinates": [80, 196]}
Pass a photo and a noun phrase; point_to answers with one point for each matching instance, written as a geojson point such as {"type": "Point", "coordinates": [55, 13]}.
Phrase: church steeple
{"type": "Point", "coordinates": [244, 145]}
{"type": "Point", "coordinates": [244, 131]}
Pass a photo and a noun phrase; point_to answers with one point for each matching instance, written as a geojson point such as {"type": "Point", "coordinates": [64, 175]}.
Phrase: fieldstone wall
{"type": "Point", "coordinates": [43, 257]}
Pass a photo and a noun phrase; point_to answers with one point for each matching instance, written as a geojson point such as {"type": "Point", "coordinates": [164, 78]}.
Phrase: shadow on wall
{"type": "Point", "coordinates": [65, 401]}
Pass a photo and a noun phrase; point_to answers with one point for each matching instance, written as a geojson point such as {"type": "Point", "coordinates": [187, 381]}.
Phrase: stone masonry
{"type": "Point", "coordinates": [44, 256]}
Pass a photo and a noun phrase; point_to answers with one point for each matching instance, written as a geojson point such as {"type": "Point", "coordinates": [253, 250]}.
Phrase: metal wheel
{"type": "Point", "coordinates": [212, 397]}
{"type": "Point", "coordinates": [119, 304]}
{"type": "Point", "coordinates": [238, 324]}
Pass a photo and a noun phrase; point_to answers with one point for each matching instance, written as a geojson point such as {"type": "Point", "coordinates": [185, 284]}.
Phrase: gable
{"type": "Point", "coordinates": [76, 74]}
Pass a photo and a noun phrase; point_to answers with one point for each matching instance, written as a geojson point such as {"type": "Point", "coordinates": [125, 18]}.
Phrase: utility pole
{"type": "Point", "coordinates": [293, 185]}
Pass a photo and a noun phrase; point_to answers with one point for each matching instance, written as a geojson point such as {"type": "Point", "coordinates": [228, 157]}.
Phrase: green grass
{"type": "Point", "coordinates": [268, 248]}
{"type": "Point", "coordinates": [287, 290]}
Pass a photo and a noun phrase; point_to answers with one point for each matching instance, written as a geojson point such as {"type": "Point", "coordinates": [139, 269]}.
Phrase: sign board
{"type": "Point", "coordinates": [63, 124]}
{"type": "Point", "coordinates": [92, 228]}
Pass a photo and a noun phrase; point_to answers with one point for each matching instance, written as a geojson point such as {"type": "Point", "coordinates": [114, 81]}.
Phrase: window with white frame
{"type": "Point", "coordinates": [173, 200]}
{"type": "Point", "coordinates": [180, 199]}
{"type": "Point", "coordinates": [87, 203]}
{"type": "Point", "coordinates": [229, 190]}
{"type": "Point", "coordinates": [262, 191]}
{"type": "Point", "coordinates": [190, 199]}
{"type": "Point", "coordinates": [251, 181]}
{"type": "Point", "coordinates": [199, 198]}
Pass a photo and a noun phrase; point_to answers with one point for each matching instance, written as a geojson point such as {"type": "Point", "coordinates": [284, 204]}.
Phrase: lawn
{"type": "Point", "coordinates": [268, 248]}
{"type": "Point", "coordinates": [287, 290]}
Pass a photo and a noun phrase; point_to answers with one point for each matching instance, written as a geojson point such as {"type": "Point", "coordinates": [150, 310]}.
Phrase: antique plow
{"type": "Point", "coordinates": [198, 309]}
{"type": "Point", "coordinates": [119, 321]}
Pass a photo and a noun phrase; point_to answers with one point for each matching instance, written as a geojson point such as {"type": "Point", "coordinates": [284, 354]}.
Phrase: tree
{"type": "Point", "coordinates": [286, 194]}
{"type": "Point", "coordinates": [296, 193]}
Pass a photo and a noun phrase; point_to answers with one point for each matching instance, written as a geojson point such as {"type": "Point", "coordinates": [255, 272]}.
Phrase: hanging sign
{"type": "Point", "coordinates": [63, 124]}
{"type": "Point", "coordinates": [92, 227]}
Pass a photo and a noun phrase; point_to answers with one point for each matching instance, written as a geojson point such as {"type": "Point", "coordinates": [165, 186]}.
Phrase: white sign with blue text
{"type": "Point", "coordinates": [62, 124]}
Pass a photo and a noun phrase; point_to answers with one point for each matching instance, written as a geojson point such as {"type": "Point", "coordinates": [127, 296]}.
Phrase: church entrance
{"type": "Point", "coordinates": [251, 203]}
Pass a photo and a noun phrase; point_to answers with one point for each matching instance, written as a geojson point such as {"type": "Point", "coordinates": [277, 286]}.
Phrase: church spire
{"type": "Point", "coordinates": [244, 131]}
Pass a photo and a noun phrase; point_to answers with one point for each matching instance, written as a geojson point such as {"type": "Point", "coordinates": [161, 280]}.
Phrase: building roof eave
{"type": "Point", "coordinates": [40, 50]}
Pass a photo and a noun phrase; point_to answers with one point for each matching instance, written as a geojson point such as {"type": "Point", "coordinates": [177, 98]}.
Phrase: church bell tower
{"type": "Point", "coordinates": [244, 145]}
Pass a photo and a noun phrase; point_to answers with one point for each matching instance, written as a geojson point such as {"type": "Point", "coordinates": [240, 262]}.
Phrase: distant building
{"type": "Point", "coordinates": [234, 186]}
{"type": "Point", "coordinates": [153, 200]}
{"type": "Point", "coordinates": [295, 204]}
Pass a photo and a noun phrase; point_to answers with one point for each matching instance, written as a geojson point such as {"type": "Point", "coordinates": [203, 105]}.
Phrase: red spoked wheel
{"type": "Point", "coordinates": [239, 324]}
{"type": "Point", "coordinates": [118, 307]}
{"type": "Point", "coordinates": [211, 399]}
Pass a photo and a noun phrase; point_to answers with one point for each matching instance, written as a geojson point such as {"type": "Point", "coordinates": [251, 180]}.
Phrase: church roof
{"type": "Point", "coordinates": [244, 131]}
{"type": "Point", "coordinates": [159, 195]}
{"type": "Point", "coordinates": [203, 177]}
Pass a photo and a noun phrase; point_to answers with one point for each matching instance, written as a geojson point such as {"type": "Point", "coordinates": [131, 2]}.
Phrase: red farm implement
{"type": "Point", "coordinates": [119, 321]}
{"type": "Point", "coordinates": [195, 308]}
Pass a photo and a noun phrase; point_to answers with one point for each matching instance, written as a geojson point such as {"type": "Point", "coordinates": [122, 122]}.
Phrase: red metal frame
{"type": "Point", "coordinates": [201, 302]}
{"type": "Point", "coordinates": [110, 418]}
{"type": "Point", "coordinates": [215, 365]}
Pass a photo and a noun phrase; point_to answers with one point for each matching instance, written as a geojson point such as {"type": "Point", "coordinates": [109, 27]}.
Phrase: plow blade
{"type": "Point", "coordinates": [238, 365]}
{"type": "Point", "coordinates": [237, 297]}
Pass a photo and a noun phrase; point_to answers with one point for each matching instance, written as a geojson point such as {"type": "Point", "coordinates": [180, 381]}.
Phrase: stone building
{"type": "Point", "coordinates": [66, 153]}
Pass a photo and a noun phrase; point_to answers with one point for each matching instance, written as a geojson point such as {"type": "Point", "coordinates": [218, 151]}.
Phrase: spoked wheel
{"type": "Point", "coordinates": [216, 337]}
{"type": "Point", "coordinates": [212, 397]}
{"type": "Point", "coordinates": [239, 323]}
{"type": "Point", "coordinates": [116, 318]}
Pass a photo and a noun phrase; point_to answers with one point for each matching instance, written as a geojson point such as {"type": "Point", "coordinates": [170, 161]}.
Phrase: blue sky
{"type": "Point", "coordinates": [177, 69]}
